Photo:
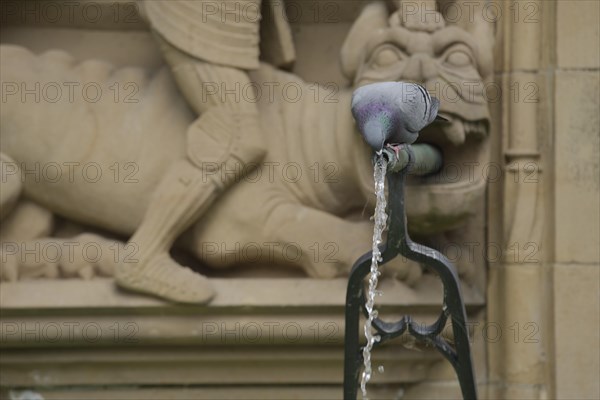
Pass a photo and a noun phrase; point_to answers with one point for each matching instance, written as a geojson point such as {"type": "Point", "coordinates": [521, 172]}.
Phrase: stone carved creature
{"type": "Point", "coordinates": [295, 216]}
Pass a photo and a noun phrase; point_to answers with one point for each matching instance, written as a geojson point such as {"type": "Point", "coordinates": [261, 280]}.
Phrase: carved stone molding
{"type": "Point", "coordinates": [255, 332]}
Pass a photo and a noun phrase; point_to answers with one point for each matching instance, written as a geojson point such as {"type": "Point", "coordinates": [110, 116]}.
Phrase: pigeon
{"type": "Point", "coordinates": [393, 113]}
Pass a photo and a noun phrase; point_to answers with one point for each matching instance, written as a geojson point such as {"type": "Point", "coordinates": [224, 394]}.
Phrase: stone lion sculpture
{"type": "Point", "coordinates": [288, 173]}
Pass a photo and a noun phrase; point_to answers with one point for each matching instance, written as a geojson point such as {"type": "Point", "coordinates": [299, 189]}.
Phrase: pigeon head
{"type": "Point", "coordinates": [376, 119]}
{"type": "Point", "coordinates": [392, 112]}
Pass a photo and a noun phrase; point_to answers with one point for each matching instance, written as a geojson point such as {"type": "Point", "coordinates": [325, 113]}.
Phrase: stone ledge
{"type": "Point", "coordinates": [71, 294]}
{"type": "Point", "coordinates": [160, 366]}
{"type": "Point", "coordinates": [282, 392]}
{"type": "Point", "coordinates": [70, 333]}
{"type": "Point", "coordinates": [246, 312]}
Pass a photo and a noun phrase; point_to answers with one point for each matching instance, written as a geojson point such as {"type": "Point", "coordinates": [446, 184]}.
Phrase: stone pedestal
{"type": "Point", "coordinates": [260, 338]}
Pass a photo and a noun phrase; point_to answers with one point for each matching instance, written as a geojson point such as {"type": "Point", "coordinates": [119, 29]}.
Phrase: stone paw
{"type": "Point", "coordinates": [163, 277]}
{"type": "Point", "coordinates": [91, 255]}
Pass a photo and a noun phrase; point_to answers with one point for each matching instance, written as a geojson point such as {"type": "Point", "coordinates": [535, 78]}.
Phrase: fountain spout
{"type": "Point", "coordinates": [427, 159]}
{"type": "Point", "coordinates": [401, 159]}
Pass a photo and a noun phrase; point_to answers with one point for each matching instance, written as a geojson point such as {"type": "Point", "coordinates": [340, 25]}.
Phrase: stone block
{"type": "Point", "coordinates": [577, 167]}
{"type": "Point", "coordinates": [577, 34]}
{"type": "Point", "coordinates": [577, 317]}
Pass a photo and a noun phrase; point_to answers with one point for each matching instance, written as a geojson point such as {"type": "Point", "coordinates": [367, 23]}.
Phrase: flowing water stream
{"type": "Point", "coordinates": [380, 224]}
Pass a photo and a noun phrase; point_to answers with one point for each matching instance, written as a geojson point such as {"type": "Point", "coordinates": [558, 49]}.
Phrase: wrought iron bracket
{"type": "Point", "coordinates": [399, 243]}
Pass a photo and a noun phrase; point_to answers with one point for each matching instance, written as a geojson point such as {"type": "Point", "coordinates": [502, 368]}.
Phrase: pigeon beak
{"type": "Point", "coordinates": [439, 118]}
{"type": "Point", "coordinates": [373, 134]}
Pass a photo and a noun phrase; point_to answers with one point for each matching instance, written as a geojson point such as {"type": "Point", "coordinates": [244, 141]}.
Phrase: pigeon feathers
{"type": "Point", "coordinates": [393, 112]}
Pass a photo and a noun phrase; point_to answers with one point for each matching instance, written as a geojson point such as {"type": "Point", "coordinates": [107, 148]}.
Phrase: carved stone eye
{"type": "Point", "coordinates": [458, 58]}
{"type": "Point", "coordinates": [385, 57]}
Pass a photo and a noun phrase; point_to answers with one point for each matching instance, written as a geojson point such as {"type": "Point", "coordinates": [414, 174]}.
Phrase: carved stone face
{"type": "Point", "coordinates": [451, 63]}
{"type": "Point", "coordinates": [443, 61]}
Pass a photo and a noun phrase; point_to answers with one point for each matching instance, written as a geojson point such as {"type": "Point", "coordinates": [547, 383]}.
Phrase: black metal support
{"type": "Point", "coordinates": [398, 242]}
